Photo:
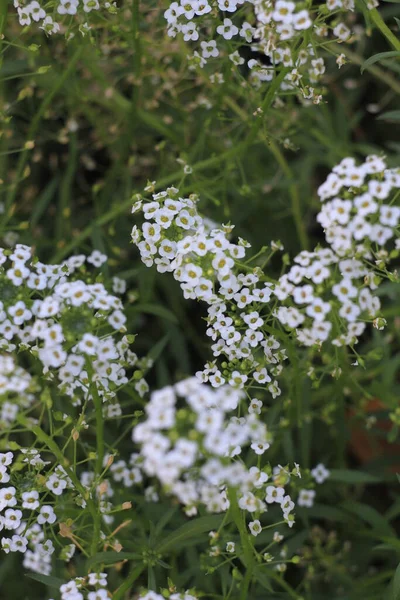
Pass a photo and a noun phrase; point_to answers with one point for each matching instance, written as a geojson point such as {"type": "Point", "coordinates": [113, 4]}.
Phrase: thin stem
{"type": "Point", "coordinates": [384, 29]}
{"type": "Point", "coordinates": [293, 193]}
{"type": "Point", "coordinates": [33, 130]}
{"type": "Point", "coordinates": [119, 594]}
{"type": "Point", "coordinates": [377, 72]}
{"type": "Point", "coordinates": [293, 190]}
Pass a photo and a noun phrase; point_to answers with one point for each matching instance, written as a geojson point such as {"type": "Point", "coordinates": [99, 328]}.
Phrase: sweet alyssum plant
{"type": "Point", "coordinates": [66, 358]}
{"type": "Point", "coordinates": [327, 294]}
{"type": "Point", "coordinates": [94, 465]}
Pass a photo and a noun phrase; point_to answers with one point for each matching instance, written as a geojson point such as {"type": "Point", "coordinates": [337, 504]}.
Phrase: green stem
{"type": "Point", "coordinates": [129, 581]}
{"type": "Point", "coordinates": [246, 545]}
{"type": "Point", "coordinates": [53, 447]}
{"type": "Point", "coordinates": [33, 130]}
{"type": "Point", "coordinates": [274, 148]}
{"type": "Point", "coordinates": [161, 183]}
{"type": "Point", "coordinates": [98, 407]}
{"type": "Point", "coordinates": [384, 29]}
{"type": "Point", "coordinates": [293, 193]}
{"type": "Point", "coordinates": [375, 71]}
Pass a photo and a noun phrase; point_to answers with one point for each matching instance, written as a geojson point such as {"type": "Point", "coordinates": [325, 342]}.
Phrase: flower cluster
{"type": "Point", "coordinates": [282, 35]}
{"type": "Point", "coordinates": [16, 390]}
{"type": "Point", "coordinates": [325, 297]}
{"type": "Point", "coordinates": [174, 596]}
{"type": "Point", "coordinates": [34, 12]}
{"type": "Point", "coordinates": [358, 214]}
{"type": "Point", "coordinates": [73, 326]}
{"type": "Point", "coordinates": [196, 450]}
{"type": "Point", "coordinates": [207, 264]}
{"type": "Point", "coordinates": [27, 500]}
{"type": "Point", "coordinates": [92, 587]}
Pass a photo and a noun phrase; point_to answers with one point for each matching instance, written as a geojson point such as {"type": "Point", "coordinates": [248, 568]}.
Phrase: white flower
{"type": "Point", "coordinates": [30, 500]}
{"type": "Point", "coordinates": [255, 527]}
{"type": "Point", "coordinates": [227, 30]}
{"type": "Point", "coordinates": [96, 258]}
{"type": "Point", "coordinates": [306, 498]}
{"type": "Point", "coordinates": [320, 473]}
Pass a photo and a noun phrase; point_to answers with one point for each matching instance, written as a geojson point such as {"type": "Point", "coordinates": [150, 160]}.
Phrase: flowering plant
{"type": "Point", "coordinates": [180, 416]}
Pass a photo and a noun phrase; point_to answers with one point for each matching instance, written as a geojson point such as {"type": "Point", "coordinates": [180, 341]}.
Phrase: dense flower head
{"type": "Point", "coordinates": [209, 267]}
{"type": "Point", "coordinates": [28, 498]}
{"type": "Point", "coordinates": [358, 212]}
{"type": "Point", "coordinates": [188, 595]}
{"type": "Point", "coordinates": [92, 587]}
{"type": "Point", "coordinates": [34, 497]}
{"type": "Point", "coordinates": [193, 447]}
{"type": "Point", "coordinates": [283, 35]}
{"type": "Point", "coordinates": [326, 297]}
{"type": "Point", "coordinates": [16, 389]}
{"type": "Point", "coordinates": [61, 16]}
{"type": "Point", "coordinates": [67, 320]}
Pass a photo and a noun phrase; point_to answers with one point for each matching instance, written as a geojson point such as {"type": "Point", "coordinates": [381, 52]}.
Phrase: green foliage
{"type": "Point", "coordinates": [88, 123]}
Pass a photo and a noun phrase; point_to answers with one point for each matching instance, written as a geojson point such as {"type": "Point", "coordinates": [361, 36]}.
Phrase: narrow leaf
{"type": "Point", "coordinates": [352, 477]}
{"type": "Point", "coordinates": [189, 530]}
{"type": "Point", "coordinates": [396, 584]}
{"type": "Point", "coordinates": [392, 116]}
{"type": "Point", "coordinates": [377, 57]}
{"type": "Point", "coordinates": [48, 580]}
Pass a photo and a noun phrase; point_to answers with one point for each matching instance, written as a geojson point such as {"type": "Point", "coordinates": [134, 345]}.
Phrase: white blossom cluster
{"type": "Point", "coordinates": [92, 587]}
{"type": "Point", "coordinates": [16, 390]}
{"type": "Point", "coordinates": [177, 239]}
{"type": "Point", "coordinates": [33, 501]}
{"type": "Point", "coordinates": [195, 450]}
{"type": "Point", "coordinates": [326, 297]}
{"type": "Point", "coordinates": [175, 596]}
{"type": "Point", "coordinates": [44, 14]}
{"type": "Point", "coordinates": [358, 211]}
{"type": "Point", "coordinates": [73, 327]}
{"type": "Point", "coordinates": [280, 30]}
{"type": "Point", "coordinates": [329, 293]}
{"type": "Point", "coordinates": [27, 508]}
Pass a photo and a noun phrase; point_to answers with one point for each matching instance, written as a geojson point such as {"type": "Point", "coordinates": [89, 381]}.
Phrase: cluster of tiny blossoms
{"type": "Point", "coordinates": [27, 507]}
{"type": "Point", "coordinates": [73, 326]}
{"type": "Point", "coordinates": [329, 293]}
{"type": "Point", "coordinates": [33, 499]}
{"type": "Point", "coordinates": [283, 36]}
{"type": "Point", "coordinates": [325, 297]}
{"type": "Point", "coordinates": [55, 16]}
{"type": "Point", "coordinates": [92, 587]}
{"type": "Point", "coordinates": [358, 214]}
{"type": "Point", "coordinates": [191, 445]}
{"type": "Point", "coordinates": [207, 264]}
{"type": "Point", "coordinates": [81, 588]}
{"type": "Point", "coordinates": [174, 596]}
{"type": "Point", "coordinates": [16, 390]}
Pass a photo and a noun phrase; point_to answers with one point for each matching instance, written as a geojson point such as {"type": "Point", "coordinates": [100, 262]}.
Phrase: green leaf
{"type": "Point", "coordinates": [352, 477]}
{"type": "Point", "coordinates": [391, 115]}
{"type": "Point", "coordinates": [371, 516]}
{"type": "Point", "coordinates": [397, 21]}
{"type": "Point", "coordinates": [157, 349]}
{"type": "Point", "coordinates": [48, 580]}
{"type": "Point", "coordinates": [189, 530]}
{"type": "Point", "coordinates": [112, 557]}
{"type": "Point", "coordinates": [155, 309]}
{"type": "Point", "coordinates": [323, 511]}
{"type": "Point", "coordinates": [42, 201]}
{"type": "Point", "coordinates": [377, 57]}
{"type": "Point", "coordinates": [396, 584]}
